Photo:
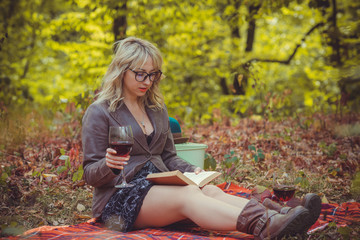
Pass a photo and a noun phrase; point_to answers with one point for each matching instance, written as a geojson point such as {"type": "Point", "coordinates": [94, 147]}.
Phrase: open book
{"type": "Point", "coordinates": [187, 178]}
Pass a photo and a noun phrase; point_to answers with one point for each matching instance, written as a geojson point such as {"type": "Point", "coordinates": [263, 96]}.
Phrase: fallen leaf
{"type": "Point", "coordinates": [80, 207]}
{"type": "Point", "coordinates": [81, 217]}
{"type": "Point", "coordinates": [259, 189]}
{"type": "Point", "coordinates": [269, 173]}
{"type": "Point", "coordinates": [49, 177]}
{"type": "Point", "coordinates": [324, 199]}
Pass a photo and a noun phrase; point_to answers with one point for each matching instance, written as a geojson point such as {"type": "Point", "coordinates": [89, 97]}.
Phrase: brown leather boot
{"type": "Point", "coordinates": [311, 202]}
{"type": "Point", "coordinates": [264, 223]}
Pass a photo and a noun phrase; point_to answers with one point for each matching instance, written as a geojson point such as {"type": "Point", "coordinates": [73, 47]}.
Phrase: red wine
{"type": "Point", "coordinates": [122, 148]}
{"type": "Point", "coordinates": [284, 193]}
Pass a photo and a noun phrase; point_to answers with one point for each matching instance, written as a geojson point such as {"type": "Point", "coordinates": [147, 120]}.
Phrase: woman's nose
{"type": "Point", "coordinates": [147, 80]}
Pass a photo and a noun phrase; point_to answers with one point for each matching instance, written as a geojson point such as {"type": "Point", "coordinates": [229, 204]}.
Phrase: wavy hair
{"type": "Point", "coordinates": [130, 53]}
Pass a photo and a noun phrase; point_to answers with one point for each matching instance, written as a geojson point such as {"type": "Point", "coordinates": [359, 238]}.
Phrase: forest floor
{"type": "Point", "coordinates": [41, 174]}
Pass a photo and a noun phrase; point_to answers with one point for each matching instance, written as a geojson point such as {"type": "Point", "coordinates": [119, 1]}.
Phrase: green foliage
{"type": "Point", "coordinates": [355, 186]}
{"type": "Point", "coordinates": [77, 176]}
{"type": "Point", "coordinates": [230, 159]}
{"type": "Point", "coordinates": [56, 52]}
{"type": "Point", "coordinates": [257, 154]}
{"type": "Point", "coordinates": [329, 150]}
{"type": "Point", "coordinates": [3, 177]}
{"type": "Point", "coordinates": [75, 169]}
{"type": "Point", "coordinates": [13, 229]}
{"type": "Point", "coordinates": [229, 166]}
{"type": "Point", "coordinates": [37, 173]}
{"type": "Point", "coordinates": [209, 162]}
{"type": "Point", "coordinates": [345, 232]}
{"type": "Point", "coordinates": [333, 170]}
{"type": "Point", "coordinates": [347, 130]}
{"type": "Point", "coordinates": [69, 168]}
{"type": "Point", "coordinates": [302, 180]}
{"type": "Point", "coordinates": [66, 165]}
{"type": "Point", "coordinates": [5, 174]}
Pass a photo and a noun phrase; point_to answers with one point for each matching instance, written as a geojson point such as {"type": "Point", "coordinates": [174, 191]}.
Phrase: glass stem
{"type": "Point", "coordinates": [123, 176]}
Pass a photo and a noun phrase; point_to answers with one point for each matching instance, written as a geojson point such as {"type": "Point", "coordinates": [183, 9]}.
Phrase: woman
{"type": "Point", "coordinates": [130, 96]}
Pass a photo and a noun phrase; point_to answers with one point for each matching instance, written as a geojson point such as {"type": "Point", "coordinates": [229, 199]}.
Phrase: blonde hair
{"type": "Point", "coordinates": [130, 53]}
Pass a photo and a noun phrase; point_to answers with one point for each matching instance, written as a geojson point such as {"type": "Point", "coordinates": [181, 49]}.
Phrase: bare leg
{"type": "Point", "coordinates": [215, 192]}
{"type": "Point", "coordinates": [164, 205]}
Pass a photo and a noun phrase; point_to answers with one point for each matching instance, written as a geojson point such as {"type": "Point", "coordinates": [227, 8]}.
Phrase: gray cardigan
{"type": "Point", "coordinates": [95, 129]}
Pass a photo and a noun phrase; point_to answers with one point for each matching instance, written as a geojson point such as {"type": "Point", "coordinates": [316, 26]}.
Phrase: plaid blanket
{"type": "Point", "coordinates": [342, 215]}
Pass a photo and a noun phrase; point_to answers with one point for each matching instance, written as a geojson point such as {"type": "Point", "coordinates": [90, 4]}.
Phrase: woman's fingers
{"type": "Point", "coordinates": [110, 151]}
{"type": "Point", "coordinates": [114, 161]}
{"type": "Point", "coordinates": [198, 170]}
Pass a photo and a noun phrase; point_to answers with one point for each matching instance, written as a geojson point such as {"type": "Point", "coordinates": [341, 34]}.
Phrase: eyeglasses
{"type": "Point", "coordinates": [141, 76]}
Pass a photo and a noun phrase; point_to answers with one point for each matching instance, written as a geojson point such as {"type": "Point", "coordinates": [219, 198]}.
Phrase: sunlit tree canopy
{"type": "Point", "coordinates": [239, 57]}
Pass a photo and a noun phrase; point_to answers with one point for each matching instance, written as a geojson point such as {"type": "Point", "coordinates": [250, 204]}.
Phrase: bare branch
{"type": "Point", "coordinates": [287, 61]}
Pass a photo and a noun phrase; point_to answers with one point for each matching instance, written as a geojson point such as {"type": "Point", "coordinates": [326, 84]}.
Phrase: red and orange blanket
{"type": "Point", "coordinates": [342, 215]}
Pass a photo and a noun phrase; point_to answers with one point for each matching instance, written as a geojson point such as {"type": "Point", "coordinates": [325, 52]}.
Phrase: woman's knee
{"type": "Point", "coordinates": [212, 191]}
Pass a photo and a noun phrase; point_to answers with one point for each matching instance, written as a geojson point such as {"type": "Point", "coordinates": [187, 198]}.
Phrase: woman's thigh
{"type": "Point", "coordinates": [163, 205]}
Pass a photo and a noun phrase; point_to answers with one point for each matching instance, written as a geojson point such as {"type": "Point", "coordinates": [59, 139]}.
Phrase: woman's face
{"type": "Point", "coordinates": [133, 89]}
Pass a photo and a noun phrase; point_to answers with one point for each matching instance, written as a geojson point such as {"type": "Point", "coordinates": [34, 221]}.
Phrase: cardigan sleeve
{"type": "Point", "coordinates": [95, 127]}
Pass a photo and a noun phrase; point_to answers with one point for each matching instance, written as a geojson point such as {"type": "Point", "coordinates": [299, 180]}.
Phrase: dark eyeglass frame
{"type": "Point", "coordinates": [150, 75]}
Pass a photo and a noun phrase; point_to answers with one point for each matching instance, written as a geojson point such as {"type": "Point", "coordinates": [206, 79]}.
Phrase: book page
{"type": "Point", "coordinates": [197, 178]}
{"type": "Point", "coordinates": [169, 178]}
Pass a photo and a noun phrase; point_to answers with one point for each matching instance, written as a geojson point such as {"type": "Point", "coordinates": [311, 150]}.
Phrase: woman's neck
{"type": "Point", "coordinates": [139, 113]}
{"type": "Point", "coordinates": [133, 103]}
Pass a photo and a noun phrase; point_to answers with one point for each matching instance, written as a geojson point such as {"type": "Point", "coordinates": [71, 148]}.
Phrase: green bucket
{"type": "Point", "coordinates": [193, 153]}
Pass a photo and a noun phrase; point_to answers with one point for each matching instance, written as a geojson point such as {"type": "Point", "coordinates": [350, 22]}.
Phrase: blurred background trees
{"type": "Point", "coordinates": [232, 58]}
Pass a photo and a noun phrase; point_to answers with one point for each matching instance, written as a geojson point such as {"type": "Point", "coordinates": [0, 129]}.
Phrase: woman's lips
{"type": "Point", "coordinates": [143, 89]}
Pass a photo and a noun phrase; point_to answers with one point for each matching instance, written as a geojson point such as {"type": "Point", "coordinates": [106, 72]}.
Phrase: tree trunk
{"type": "Point", "coordinates": [234, 20]}
{"type": "Point", "coordinates": [6, 18]}
{"type": "Point", "coordinates": [253, 9]}
{"type": "Point", "coordinates": [120, 22]}
{"type": "Point", "coordinates": [224, 86]}
{"type": "Point", "coordinates": [335, 42]}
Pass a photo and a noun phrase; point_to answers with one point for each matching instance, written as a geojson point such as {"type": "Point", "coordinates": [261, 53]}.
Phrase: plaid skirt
{"type": "Point", "coordinates": [121, 211]}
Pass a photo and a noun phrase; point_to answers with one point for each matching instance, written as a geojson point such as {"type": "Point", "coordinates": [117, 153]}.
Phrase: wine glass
{"type": "Point", "coordinates": [283, 186]}
{"type": "Point", "coordinates": [121, 140]}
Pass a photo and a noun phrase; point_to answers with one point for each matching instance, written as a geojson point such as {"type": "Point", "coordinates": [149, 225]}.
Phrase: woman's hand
{"type": "Point", "coordinates": [198, 170]}
{"type": "Point", "coordinates": [113, 161]}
